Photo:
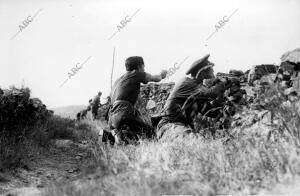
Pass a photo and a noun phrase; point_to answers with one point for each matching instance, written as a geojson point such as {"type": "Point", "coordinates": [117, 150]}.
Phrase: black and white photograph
{"type": "Point", "coordinates": [149, 97]}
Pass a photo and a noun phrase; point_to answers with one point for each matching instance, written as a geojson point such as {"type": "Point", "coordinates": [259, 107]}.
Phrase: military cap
{"type": "Point", "coordinates": [197, 65]}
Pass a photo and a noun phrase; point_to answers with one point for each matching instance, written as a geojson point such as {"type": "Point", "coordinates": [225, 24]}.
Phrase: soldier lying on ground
{"type": "Point", "coordinates": [188, 97]}
{"type": "Point", "coordinates": [124, 118]}
{"type": "Point", "coordinates": [223, 108]}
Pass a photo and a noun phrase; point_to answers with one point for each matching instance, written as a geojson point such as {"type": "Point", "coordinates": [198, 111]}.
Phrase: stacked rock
{"type": "Point", "coordinates": [153, 97]}
{"type": "Point", "coordinates": [17, 110]}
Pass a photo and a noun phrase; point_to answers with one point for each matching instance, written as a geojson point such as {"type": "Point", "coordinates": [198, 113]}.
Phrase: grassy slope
{"type": "Point", "coordinates": [250, 163]}
{"type": "Point", "coordinates": [258, 157]}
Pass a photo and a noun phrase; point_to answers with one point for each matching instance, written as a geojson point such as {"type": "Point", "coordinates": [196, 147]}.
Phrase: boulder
{"type": "Point", "coordinates": [153, 97]}
{"type": "Point", "coordinates": [237, 73]}
{"type": "Point", "coordinates": [288, 72]}
{"type": "Point", "coordinates": [258, 71]}
{"type": "Point", "coordinates": [292, 56]}
{"type": "Point", "coordinates": [233, 75]}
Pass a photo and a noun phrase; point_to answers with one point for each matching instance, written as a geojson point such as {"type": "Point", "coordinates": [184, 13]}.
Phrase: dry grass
{"type": "Point", "coordinates": [255, 157]}
{"type": "Point", "coordinates": [259, 156]}
{"type": "Point", "coordinates": [14, 151]}
{"type": "Point", "coordinates": [248, 163]}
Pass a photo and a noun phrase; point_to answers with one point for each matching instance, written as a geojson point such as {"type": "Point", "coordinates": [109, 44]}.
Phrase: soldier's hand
{"type": "Point", "coordinates": [220, 87]}
{"type": "Point", "coordinates": [227, 93]}
{"type": "Point", "coordinates": [163, 74]}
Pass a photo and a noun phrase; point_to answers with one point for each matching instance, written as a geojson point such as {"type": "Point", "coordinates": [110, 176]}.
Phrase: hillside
{"type": "Point", "coordinates": [257, 154]}
{"type": "Point", "coordinates": [68, 111]}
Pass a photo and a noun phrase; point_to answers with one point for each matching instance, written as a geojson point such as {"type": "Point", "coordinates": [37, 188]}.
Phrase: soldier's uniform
{"type": "Point", "coordinates": [95, 105]}
{"type": "Point", "coordinates": [123, 99]}
{"type": "Point", "coordinates": [78, 116]}
{"type": "Point", "coordinates": [188, 97]}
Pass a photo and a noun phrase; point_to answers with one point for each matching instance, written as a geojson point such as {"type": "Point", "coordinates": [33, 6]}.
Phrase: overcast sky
{"type": "Point", "coordinates": [67, 32]}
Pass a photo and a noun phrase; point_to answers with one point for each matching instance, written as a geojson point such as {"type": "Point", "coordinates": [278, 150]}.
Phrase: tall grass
{"type": "Point", "coordinates": [258, 155]}
{"type": "Point", "coordinates": [14, 151]}
{"type": "Point", "coordinates": [249, 163]}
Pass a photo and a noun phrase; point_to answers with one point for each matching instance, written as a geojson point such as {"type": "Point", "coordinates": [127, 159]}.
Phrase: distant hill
{"type": "Point", "coordinates": [68, 111]}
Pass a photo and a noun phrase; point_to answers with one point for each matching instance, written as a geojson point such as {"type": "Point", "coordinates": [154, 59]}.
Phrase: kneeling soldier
{"type": "Point", "coordinates": [124, 96]}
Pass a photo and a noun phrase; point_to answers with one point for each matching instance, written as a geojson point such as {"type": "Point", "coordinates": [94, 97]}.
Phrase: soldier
{"type": "Point", "coordinates": [78, 116]}
{"type": "Point", "coordinates": [108, 100]}
{"type": "Point", "coordinates": [95, 105]}
{"type": "Point", "coordinates": [124, 96]}
{"type": "Point", "coordinates": [181, 107]}
{"type": "Point", "coordinates": [89, 107]}
{"type": "Point", "coordinates": [83, 114]}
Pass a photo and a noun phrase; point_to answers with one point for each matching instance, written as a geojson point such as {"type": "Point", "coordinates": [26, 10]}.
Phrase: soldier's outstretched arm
{"type": "Point", "coordinates": [217, 90]}
{"type": "Point", "coordinates": [194, 98]}
{"type": "Point", "coordinates": [205, 94]}
{"type": "Point", "coordinates": [156, 78]}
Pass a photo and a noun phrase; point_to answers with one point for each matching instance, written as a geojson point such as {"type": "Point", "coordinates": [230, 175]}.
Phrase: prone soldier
{"type": "Point", "coordinates": [189, 97]}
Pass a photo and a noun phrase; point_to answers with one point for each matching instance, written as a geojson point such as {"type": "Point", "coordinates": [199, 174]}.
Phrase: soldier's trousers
{"type": "Point", "coordinates": [95, 113]}
{"type": "Point", "coordinates": [168, 131]}
{"type": "Point", "coordinates": [123, 113]}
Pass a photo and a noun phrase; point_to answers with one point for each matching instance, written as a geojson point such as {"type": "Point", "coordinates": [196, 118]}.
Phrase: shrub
{"type": "Point", "coordinates": [18, 110]}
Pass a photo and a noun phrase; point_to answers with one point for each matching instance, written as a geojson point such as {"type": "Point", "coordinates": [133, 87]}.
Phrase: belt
{"type": "Point", "coordinates": [121, 101]}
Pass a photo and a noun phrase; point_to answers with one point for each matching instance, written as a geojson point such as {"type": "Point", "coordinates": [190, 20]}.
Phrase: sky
{"type": "Point", "coordinates": [69, 33]}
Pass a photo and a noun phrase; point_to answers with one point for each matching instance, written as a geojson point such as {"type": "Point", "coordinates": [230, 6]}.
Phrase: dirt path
{"type": "Point", "coordinates": [62, 163]}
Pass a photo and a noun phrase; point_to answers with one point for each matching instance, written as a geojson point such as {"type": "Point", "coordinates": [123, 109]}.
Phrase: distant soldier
{"type": "Point", "coordinates": [82, 114]}
{"type": "Point", "coordinates": [181, 107]}
{"type": "Point", "coordinates": [96, 104]}
{"type": "Point", "coordinates": [124, 96]}
{"type": "Point", "coordinates": [108, 100]}
{"type": "Point", "coordinates": [109, 105]}
{"type": "Point", "coordinates": [89, 107]}
{"type": "Point", "coordinates": [78, 116]}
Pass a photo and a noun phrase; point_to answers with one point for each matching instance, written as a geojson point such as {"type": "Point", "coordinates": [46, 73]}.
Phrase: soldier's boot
{"type": "Point", "coordinates": [108, 137]}
{"type": "Point", "coordinates": [117, 136]}
{"type": "Point", "coordinates": [125, 136]}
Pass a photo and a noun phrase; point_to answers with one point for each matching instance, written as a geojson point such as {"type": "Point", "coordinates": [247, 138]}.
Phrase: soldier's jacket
{"type": "Point", "coordinates": [233, 92]}
{"type": "Point", "coordinates": [89, 108]}
{"type": "Point", "coordinates": [180, 103]}
{"type": "Point", "coordinates": [78, 116]}
{"type": "Point", "coordinates": [96, 102]}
